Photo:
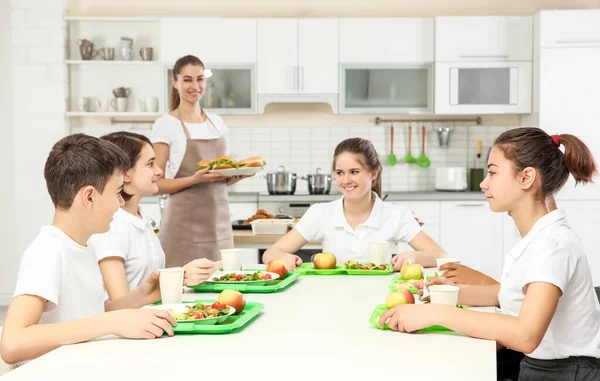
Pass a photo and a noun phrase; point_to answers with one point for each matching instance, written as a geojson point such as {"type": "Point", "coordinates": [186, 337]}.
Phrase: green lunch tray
{"type": "Point", "coordinates": [381, 308]}
{"type": "Point", "coordinates": [274, 286]}
{"type": "Point", "coordinates": [232, 323]}
{"type": "Point", "coordinates": [309, 269]}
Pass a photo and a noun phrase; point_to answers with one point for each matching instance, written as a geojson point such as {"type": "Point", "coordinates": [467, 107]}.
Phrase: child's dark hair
{"type": "Point", "coordinates": [532, 147]}
{"type": "Point", "coordinates": [366, 155]}
{"type": "Point", "coordinates": [79, 160]}
{"type": "Point", "coordinates": [180, 64]}
{"type": "Point", "coordinates": [132, 144]}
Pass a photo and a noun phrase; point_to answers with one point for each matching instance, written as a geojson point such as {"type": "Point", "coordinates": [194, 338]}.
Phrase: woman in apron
{"type": "Point", "coordinates": [196, 221]}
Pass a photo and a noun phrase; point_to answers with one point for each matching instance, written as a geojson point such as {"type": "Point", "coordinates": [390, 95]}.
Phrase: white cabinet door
{"type": "Point", "coordinates": [569, 103]}
{"type": "Point", "coordinates": [214, 40]}
{"type": "Point", "coordinates": [318, 64]}
{"type": "Point", "coordinates": [578, 28]}
{"type": "Point", "coordinates": [277, 56]}
{"type": "Point", "coordinates": [584, 218]}
{"type": "Point", "coordinates": [386, 40]}
{"type": "Point", "coordinates": [484, 38]}
{"type": "Point", "coordinates": [470, 231]}
{"type": "Point", "coordinates": [428, 212]}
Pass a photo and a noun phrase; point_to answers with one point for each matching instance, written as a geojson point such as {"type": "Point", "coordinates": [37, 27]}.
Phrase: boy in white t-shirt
{"type": "Point", "coordinates": [59, 297]}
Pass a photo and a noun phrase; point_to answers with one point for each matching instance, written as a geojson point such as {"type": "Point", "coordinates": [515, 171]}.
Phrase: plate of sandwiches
{"type": "Point", "coordinates": [227, 166]}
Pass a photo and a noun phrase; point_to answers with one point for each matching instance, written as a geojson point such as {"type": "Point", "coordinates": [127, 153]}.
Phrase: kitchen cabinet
{"type": "Point", "coordinates": [297, 56]}
{"type": "Point", "coordinates": [472, 232]}
{"type": "Point", "coordinates": [483, 38]}
{"type": "Point", "coordinates": [575, 28]}
{"type": "Point", "coordinates": [386, 40]}
{"type": "Point", "coordinates": [215, 40]}
{"type": "Point", "coordinates": [428, 212]}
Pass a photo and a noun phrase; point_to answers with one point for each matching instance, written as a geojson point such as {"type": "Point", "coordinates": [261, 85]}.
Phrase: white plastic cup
{"type": "Point", "coordinates": [378, 252]}
{"type": "Point", "coordinates": [444, 294]}
{"type": "Point", "coordinates": [441, 261]}
{"type": "Point", "coordinates": [231, 260]}
{"type": "Point", "coordinates": [171, 285]}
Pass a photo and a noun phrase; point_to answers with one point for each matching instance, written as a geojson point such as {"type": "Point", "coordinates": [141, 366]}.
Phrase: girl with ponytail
{"type": "Point", "coordinates": [550, 311]}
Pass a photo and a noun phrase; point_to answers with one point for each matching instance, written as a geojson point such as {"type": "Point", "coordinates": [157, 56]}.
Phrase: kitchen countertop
{"type": "Point", "coordinates": [318, 328]}
{"type": "Point", "coordinates": [244, 239]}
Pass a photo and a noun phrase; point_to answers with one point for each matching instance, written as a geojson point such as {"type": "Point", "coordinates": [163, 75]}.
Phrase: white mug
{"type": "Point", "coordinates": [231, 259]}
{"type": "Point", "coordinates": [378, 252]}
{"type": "Point", "coordinates": [171, 285]}
{"type": "Point", "coordinates": [119, 104]}
{"type": "Point", "coordinates": [151, 104]}
{"type": "Point", "coordinates": [83, 104]}
{"type": "Point", "coordinates": [127, 54]}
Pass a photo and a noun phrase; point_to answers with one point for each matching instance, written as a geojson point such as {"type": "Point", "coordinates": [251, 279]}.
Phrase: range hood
{"type": "Point", "coordinates": [265, 99]}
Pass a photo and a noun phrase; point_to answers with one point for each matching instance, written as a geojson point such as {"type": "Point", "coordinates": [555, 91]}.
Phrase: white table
{"type": "Point", "coordinates": [317, 329]}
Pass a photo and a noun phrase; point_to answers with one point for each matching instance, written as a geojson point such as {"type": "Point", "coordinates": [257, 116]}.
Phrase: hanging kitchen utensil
{"type": "Point", "coordinates": [409, 157]}
{"type": "Point", "coordinates": [423, 160]}
{"type": "Point", "coordinates": [391, 160]}
{"type": "Point", "coordinates": [444, 135]}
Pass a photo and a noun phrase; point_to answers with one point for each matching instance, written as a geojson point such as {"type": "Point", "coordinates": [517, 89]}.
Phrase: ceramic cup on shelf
{"type": "Point", "coordinates": [151, 104]}
{"type": "Point", "coordinates": [126, 54]}
{"type": "Point", "coordinates": [107, 54]}
{"type": "Point", "coordinates": [83, 104]}
{"type": "Point", "coordinates": [119, 104]}
{"type": "Point", "coordinates": [146, 54]}
{"type": "Point", "coordinates": [86, 49]}
{"type": "Point", "coordinates": [127, 42]}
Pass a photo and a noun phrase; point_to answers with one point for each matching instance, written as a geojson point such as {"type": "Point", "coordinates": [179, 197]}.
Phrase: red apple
{"type": "Point", "coordinates": [277, 267]}
{"type": "Point", "coordinates": [325, 261]}
{"type": "Point", "coordinates": [411, 271]}
{"type": "Point", "coordinates": [399, 297]}
{"type": "Point", "coordinates": [234, 299]}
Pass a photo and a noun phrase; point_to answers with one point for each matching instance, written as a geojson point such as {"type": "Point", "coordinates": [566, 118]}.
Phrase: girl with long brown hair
{"type": "Point", "coordinates": [346, 226]}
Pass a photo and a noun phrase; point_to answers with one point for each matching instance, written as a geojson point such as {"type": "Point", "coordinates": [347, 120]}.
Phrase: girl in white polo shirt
{"type": "Point", "coordinates": [346, 226]}
{"type": "Point", "coordinates": [130, 250]}
{"type": "Point", "coordinates": [550, 310]}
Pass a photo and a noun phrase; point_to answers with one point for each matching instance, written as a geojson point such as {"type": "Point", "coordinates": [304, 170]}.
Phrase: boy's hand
{"type": "Point", "coordinates": [144, 323]}
{"type": "Point", "coordinates": [292, 261]}
{"type": "Point", "coordinates": [149, 289]}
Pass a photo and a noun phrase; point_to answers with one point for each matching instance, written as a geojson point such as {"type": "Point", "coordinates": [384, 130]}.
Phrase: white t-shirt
{"type": "Point", "coordinates": [327, 223]}
{"type": "Point", "coordinates": [551, 253]}
{"type": "Point", "coordinates": [64, 273]}
{"type": "Point", "coordinates": [167, 129]}
{"type": "Point", "coordinates": [133, 239]}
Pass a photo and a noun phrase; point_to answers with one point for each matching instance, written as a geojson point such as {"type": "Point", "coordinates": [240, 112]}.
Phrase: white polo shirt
{"type": "Point", "coordinates": [327, 223]}
{"type": "Point", "coordinates": [551, 253]}
{"type": "Point", "coordinates": [133, 239]}
{"type": "Point", "coordinates": [64, 273]}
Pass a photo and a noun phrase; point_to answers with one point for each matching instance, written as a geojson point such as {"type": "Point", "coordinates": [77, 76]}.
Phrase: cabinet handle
{"type": "Point", "coordinates": [470, 205]}
{"type": "Point", "coordinates": [501, 56]}
{"type": "Point", "coordinates": [295, 79]}
{"type": "Point", "coordinates": [301, 78]}
{"type": "Point", "coordinates": [579, 41]}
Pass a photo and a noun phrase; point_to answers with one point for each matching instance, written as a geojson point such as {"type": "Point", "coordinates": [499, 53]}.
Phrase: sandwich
{"type": "Point", "coordinates": [203, 164]}
{"type": "Point", "coordinates": [223, 162]}
{"type": "Point", "coordinates": [256, 161]}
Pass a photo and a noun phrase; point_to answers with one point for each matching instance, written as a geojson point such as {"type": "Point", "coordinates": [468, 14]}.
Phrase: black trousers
{"type": "Point", "coordinates": [569, 369]}
{"type": "Point", "coordinates": [508, 364]}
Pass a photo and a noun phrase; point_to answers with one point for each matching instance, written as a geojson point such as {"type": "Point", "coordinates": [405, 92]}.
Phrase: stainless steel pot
{"type": "Point", "coordinates": [319, 183]}
{"type": "Point", "coordinates": [281, 182]}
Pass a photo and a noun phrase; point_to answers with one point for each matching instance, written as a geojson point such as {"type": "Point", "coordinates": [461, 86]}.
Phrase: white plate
{"type": "Point", "coordinates": [249, 171]}
{"type": "Point", "coordinates": [179, 308]}
{"type": "Point", "coordinates": [219, 274]}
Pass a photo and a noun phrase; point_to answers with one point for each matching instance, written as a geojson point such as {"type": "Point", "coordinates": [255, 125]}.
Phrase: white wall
{"type": "Point", "coordinates": [36, 31]}
{"type": "Point", "coordinates": [7, 214]}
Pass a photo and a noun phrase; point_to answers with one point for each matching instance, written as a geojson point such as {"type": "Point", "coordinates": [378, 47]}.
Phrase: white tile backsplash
{"type": "Point", "coordinates": [303, 149]}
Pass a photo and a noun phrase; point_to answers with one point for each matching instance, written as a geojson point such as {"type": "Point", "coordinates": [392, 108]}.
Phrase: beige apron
{"type": "Point", "coordinates": [196, 222]}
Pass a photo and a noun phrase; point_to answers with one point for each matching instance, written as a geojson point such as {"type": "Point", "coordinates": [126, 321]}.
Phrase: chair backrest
{"type": "Point", "coordinates": [4, 367]}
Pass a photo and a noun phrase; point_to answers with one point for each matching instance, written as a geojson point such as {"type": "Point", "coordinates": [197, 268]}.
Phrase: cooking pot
{"type": "Point", "coordinates": [319, 183]}
{"type": "Point", "coordinates": [281, 182]}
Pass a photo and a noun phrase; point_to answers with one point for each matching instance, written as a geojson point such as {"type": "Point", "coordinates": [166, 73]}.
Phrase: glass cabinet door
{"type": "Point", "coordinates": [483, 86]}
{"type": "Point", "coordinates": [395, 90]}
{"type": "Point", "coordinates": [228, 90]}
